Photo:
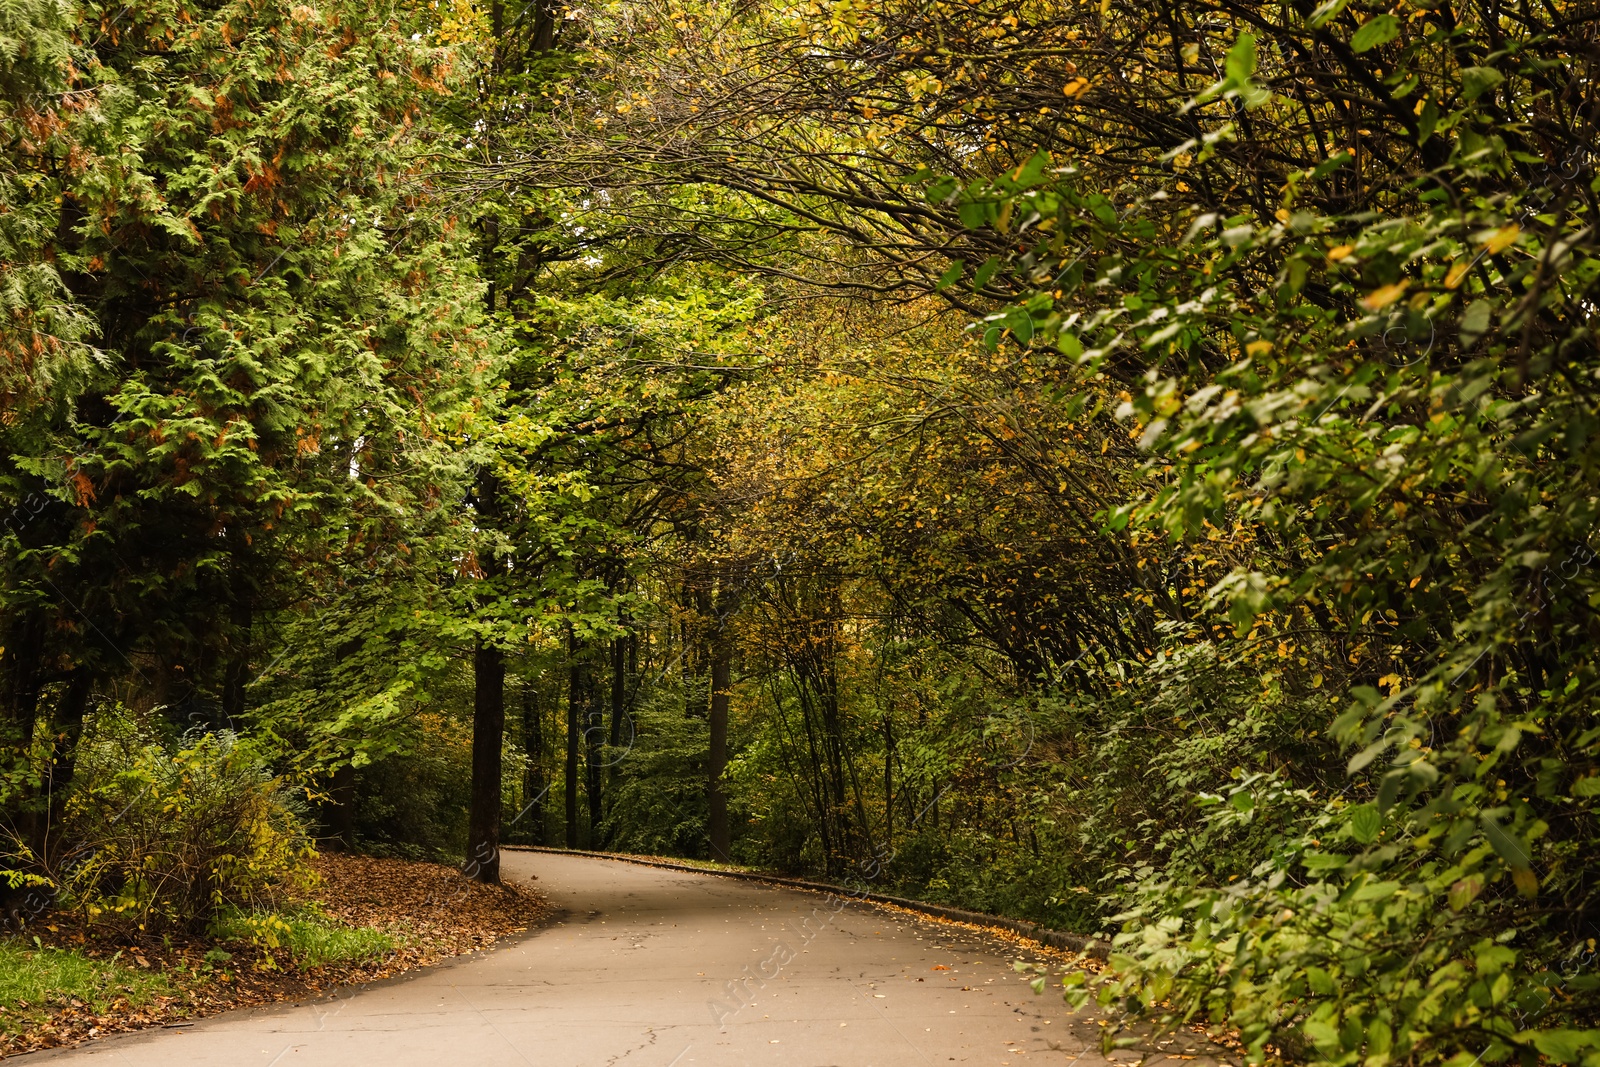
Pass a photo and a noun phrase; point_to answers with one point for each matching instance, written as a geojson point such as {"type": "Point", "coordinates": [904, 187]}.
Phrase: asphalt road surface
{"type": "Point", "coordinates": [644, 967]}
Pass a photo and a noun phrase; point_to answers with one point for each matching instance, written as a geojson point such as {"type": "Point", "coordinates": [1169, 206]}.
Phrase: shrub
{"type": "Point", "coordinates": [168, 838]}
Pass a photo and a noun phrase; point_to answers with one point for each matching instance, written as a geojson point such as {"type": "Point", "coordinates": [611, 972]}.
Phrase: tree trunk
{"type": "Point", "coordinates": [721, 653]}
{"type": "Point", "coordinates": [619, 689]}
{"type": "Point", "coordinates": [237, 673]}
{"type": "Point", "coordinates": [594, 736]}
{"type": "Point", "coordinates": [21, 663]}
{"type": "Point", "coordinates": [340, 815]}
{"type": "Point", "coordinates": [619, 695]}
{"type": "Point", "coordinates": [574, 707]}
{"type": "Point", "coordinates": [533, 785]}
{"type": "Point", "coordinates": [546, 22]}
{"type": "Point", "coordinates": [57, 784]}
{"type": "Point", "coordinates": [342, 808]}
{"type": "Point", "coordinates": [488, 732]}
{"type": "Point", "coordinates": [488, 710]}
{"type": "Point", "coordinates": [717, 764]}
{"type": "Point", "coordinates": [888, 781]}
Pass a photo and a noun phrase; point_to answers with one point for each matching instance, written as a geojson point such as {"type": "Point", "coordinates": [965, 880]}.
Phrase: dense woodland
{"type": "Point", "coordinates": [1130, 466]}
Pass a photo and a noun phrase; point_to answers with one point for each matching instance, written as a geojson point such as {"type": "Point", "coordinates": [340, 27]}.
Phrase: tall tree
{"type": "Point", "coordinates": [244, 222]}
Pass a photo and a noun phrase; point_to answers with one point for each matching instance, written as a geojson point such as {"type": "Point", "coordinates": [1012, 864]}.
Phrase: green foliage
{"type": "Point", "coordinates": [171, 835]}
{"type": "Point", "coordinates": [42, 329]}
{"type": "Point", "coordinates": [1135, 466]}
{"type": "Point", "coordinates": [1310, 294]}
{"type": "Point", "coordinates": [1394, 400]}
{"type": "Point", "coordinates": [234, 205]}
{"type": "Point", "coordinates": [413, 804]}
{"type": "Point", "coordinates": [657, 799]}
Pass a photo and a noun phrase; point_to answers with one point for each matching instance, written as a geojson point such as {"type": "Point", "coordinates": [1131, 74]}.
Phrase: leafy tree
{"type": "Point", "coordinates": [1331, 270]}
{"type": "Point", "coordinates": [286, 333]}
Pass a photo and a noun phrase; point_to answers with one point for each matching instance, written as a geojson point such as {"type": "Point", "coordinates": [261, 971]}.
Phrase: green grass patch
{"type": "Point", "coordinates": [311, 938]}
{"type": "Point", "coordinates": [32, 979]}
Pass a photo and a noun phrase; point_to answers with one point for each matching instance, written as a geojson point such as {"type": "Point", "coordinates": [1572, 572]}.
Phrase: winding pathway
{"type": "Point", "coordinates": [660, 968]}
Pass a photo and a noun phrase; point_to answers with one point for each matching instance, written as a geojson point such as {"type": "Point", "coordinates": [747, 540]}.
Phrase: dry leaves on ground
{"type": "Point", "coordinates": [430, 911]}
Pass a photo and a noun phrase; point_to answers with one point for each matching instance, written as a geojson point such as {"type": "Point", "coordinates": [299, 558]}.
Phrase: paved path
{"type": "Point", "coordinates": [654, 968]}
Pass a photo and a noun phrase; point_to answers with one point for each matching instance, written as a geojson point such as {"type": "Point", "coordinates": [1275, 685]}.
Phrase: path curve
{"type": "Point", "coordinates": [644, 967]}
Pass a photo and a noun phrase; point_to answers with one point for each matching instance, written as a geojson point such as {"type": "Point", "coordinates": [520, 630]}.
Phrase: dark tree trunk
{"type": "Point", "coordinates": [57, 783]}
{"type": "Point", "coordinates": [488, 732]}
{"type": "Point", "coordinates": [237, 673]}
{"type": "Point", "coordinates": [717, 764]}
{"type": "Point", "coordinates": [339, 817]}
{"type": "Point", "coordinates": [546, 21]}
{"type": "Point", "coordinates": [21, 663]}
{"type": "Point", "coordinates": [574, 709]}
{"type": "Point", "coordinates": [888, 782]}
{"type": "Point", "coordinates": [488, 711]}
{"type": "Point", "coordinates": [533, 784]}
{"type": "Point", "coordinates": [721, 672]}
{"type": "Point", "coordinates": [594, 736]}
{"type": "Point", "coordinates": [619, 689]}
{"type": "Point", "coordinates": [619, 696]}
{"type": "Point", "coordinates": [341, 821]}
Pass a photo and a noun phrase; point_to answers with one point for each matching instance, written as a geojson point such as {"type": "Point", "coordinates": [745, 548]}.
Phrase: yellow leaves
{"type": "Point", "coordinates": [1502, 239]}
{"type": "Point", "coordinates": [1457, 272]}
{"type": "Point", "coordinates": [1075, 88]}
{"type": "Point", "coordinates": [1383, 296]}
{"type": "Point", "coordinates": [920, 85]}
{"type": "Point", "coordinates": [1336, 254]}
{"type": "Point", "coordinates": [1257, 348]}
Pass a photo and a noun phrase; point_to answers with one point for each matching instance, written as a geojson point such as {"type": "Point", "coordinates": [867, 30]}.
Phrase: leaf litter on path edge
{"type": "Point", "coordinates": [430, 911]}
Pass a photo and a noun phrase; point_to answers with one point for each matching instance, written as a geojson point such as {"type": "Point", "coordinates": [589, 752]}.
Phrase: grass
{"type": "Point", "coordinates": [37, 981]}
{"type": "Point", "coordinates": [311, 938]}
{"type": "Point", "coordinates": [33, 978]}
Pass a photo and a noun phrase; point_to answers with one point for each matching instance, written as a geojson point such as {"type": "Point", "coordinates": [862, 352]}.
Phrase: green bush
{"type": "Point", "coordinates": [169, 836]}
